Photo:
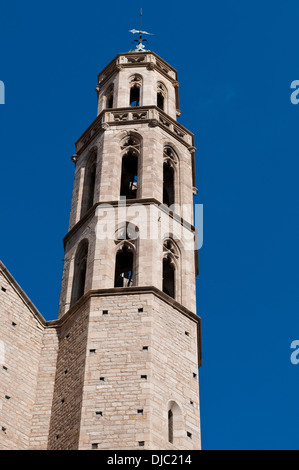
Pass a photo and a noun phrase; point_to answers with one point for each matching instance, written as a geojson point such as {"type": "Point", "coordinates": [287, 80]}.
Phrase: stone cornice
{"type": "Point", "coordinates": [159, 64]}
{"type": "Point", "coordinates": [132, 291]}
{"type": "Point", "coordinates": [127, 203]}
{"type": "Point", "coordinates": [152, 115]}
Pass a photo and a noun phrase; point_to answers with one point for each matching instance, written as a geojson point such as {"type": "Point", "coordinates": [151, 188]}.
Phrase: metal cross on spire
{"type": "Point", "coordinates": [140, 47]}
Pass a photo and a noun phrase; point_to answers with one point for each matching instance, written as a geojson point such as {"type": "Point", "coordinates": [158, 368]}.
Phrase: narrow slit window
{"type": "Point", "coordinates": [79, 272]}
{"type": "Point", "coordinates": [161, 96]}
{"type": "Point", "coordinates": [168, 184]}
{"type": "Point", "coordinates": [170, 426]}
{"type": "Point", "coordinates": [89, 184]}
{"type": "Point", "coordinates": [168, 278]}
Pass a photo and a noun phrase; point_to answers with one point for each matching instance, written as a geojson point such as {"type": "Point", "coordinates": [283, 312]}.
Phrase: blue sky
{"type": "Point", "coordinates": [236, 61]}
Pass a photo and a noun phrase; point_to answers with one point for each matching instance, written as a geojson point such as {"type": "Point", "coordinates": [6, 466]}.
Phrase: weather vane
{"type": "Point", "coordinates": [140, 47]}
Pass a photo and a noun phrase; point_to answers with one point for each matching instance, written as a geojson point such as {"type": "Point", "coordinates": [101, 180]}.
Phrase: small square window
{"type": "Point", "coordinates": [62, 401]}
{"type": "Point", "coordinates": [143, 377]}
{"type": "Point", "coordinates": [67, 336]}
{"type": "Point", "coordinates": [3, 289]}
{"type": "Point", "coordinates": [145, 348]}
{"type": "Point", "coordinates": [187, 333]}
{"type": "Point", "coordinates": [191, 403]}
{"type": "Point", "coordinates": [140, 412]}
{"type": "Point", "coordinates": [57, 437]}
{"type": "Point", "coordinates": [13, 324]}
{"type": "Point", "coordinates": [102, 379]}
{"type": "Point", "coordinates": [105, 312]}
{"type": "Point", "coordinates": [3, 429]}
{"type": "Point", "coordinates": [194, 375]}
{"type": "Point", "coordinates": [140, 310]}
{"type": "Point", "coordinates": [141, 443]}
{"type": "Point", "coordinates": [189, 435]}
{"type": "Point", "coordinates": [94, 446]}
{"type": "Point", "coordinates": [4, 368]}
{"type": "Point", "coordinates": [99, 413]}
{"type": "Point", "coordinates": [92, 351]}
{"type": "Point", "coordinates": [7, 397]}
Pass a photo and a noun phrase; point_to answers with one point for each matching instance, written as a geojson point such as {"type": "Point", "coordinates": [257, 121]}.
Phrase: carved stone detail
{"type": "Point", "coordinates": [153, 123]}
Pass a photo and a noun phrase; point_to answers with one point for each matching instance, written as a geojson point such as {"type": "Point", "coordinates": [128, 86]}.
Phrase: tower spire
{"type": "Point", "coordinates": [140, 47]}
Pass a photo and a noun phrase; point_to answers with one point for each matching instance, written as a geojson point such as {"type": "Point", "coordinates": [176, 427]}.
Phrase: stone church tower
{"type": "Point", "coordinates": [118, 369]}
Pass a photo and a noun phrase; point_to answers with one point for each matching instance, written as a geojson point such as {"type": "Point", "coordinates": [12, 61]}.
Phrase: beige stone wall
{"type": "Point", "coordinates": [115, 353]}
{"type": "Point", "coordinates": [21, 339]}
{"type": "Point", "coordinates": [69, 379]}
{"type": "Point", "coordinates": [41, 415]}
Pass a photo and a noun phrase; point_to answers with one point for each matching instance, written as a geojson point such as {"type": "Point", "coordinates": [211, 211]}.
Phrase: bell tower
{"type": "Point", "coordinates": [129, 345]}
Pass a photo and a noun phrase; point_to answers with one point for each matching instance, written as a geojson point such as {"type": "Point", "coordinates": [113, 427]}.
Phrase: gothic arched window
{"type": "Point", "coordinates": [169, 172]}
{"type": "Point", "coordinates": [89, 183]}
{"type": "Point", "coordinates": [168, 183]}
{"type": "Point", "coordinates": [109, 97]}
{"type": "Point", "coordinates": [79, 277]}
{"type": "Point", "coordinates": [169, 268]}
{"type": "Point", "coordinates": [161, 95]}
{"type": "Point", "coordinates": [125, 261]}
{"type": "Point", "coordinates": [175, 422]}
{"type": "Point", "coordinates": [135, 90]}
{"type": "Point", "coordinates": [129, 169]}
{"type": "Point", "coordinates": [170, 426]}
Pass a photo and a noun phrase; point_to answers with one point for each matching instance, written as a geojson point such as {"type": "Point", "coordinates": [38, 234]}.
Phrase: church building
{"type": "Point", "coordinates": [118, 369]}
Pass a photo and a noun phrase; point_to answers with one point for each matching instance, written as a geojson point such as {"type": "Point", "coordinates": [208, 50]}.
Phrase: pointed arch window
{"type": "Point", "coordinates": [170, 426]}
{"type": "Point", "coordinates": [169, 268]}
{"type": "Point", "coordinates": [124, 267]}
{"type": "Point", "coordinates": [89, 183]}
{"type": "Point", "coordinates": [168, 183]}
{"type": "Point", "coordinates": [175, 422]}
{"type": "Point", "coordinates": [161, 95]}
{"type": "Point", "coordinates": [80, 266]}
{"type": "Point", "coordinates": [109, 97]}
{"type": "Point", "coordinates": [169, 173]}
{"type": "Point", "coordinates": [129, 169]}
{"type": "Point", "coordinates": [135, 90]}
{"type": "Point", "coordinates": [125, 261]}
